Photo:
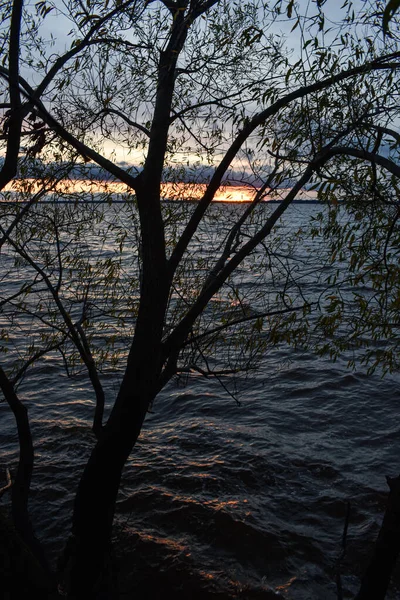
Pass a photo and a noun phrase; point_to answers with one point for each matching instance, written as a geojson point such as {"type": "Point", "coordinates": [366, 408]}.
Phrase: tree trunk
{"type": "Point", "coordinates": [88, 550]}
{"type": "Point", "coordinates": [22, 574]}
{"type": "Point", "coordinates": [85, 566]}
{"type": "Point", "coordinates": [376, 579]}
{"type": "Point", "coordinates": [22, 482]}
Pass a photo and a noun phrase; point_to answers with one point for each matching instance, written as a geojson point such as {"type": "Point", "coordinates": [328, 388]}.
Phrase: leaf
{"type": "Point", "coordinates": [258, 325]}
{"type": "Point", "coordinates": [295, 25]}
{"type": "Point", "coordinates": [289, 9]}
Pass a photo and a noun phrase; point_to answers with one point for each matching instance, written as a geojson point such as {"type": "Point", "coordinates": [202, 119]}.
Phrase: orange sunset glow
{"type": "Point", "coordinates": [169, 191]}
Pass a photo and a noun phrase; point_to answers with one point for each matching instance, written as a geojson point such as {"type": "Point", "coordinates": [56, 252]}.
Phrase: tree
{"type": "Point", "coordinates": [210, 80]}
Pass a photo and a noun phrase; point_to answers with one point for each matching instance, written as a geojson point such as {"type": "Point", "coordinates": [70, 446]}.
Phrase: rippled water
{"type": "Point", "coordinates": [220, 499]}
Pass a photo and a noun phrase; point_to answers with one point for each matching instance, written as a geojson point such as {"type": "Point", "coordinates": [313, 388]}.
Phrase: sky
{"type": "Point", "coordinates": [58, 27]}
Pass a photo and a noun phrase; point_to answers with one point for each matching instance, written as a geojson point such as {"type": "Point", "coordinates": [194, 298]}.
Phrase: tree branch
{"type": "Point", "coordinates": [387, 131]}
{"type": "Point", "coordinates": [62, 60]}
{"type": "Point", "coordinates": [85, 151]}
{"type": "Point", "coordinates": [247, 130]}
{"type": "Point", "coordinates": [14, 122]}
{"type": "Point", "coordinates": [34, 199]}
{"type": "Point", "coordinates": [200, 8]}
{"type": "Point", "coordinates": [34, 358]}
{"type": "Point", "coordinates": [261, 315]}
{"type": "Point", "coordinates": [76, 334]}
{"type": "Point", "coordinates": [178, 336]}
{"type": "Point", "coordinates": [118, 113]}
{"type": "Point", "coordinates": [21, 486]}
{"type": "Point", "coordinates": [236, 228]}
{"type": "Point", "coordinates": [372, 157]}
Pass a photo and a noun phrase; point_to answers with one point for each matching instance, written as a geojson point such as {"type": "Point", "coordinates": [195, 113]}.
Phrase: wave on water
{"type": "Point", "coordinates": [224, 500]}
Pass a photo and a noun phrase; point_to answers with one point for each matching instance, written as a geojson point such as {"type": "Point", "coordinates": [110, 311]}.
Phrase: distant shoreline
{"type": "Point", "coordinates": [165, 200]}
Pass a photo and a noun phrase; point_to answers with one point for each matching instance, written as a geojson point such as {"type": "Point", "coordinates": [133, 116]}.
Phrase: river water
{"type": "Point", "coordinates": [224, 499]}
